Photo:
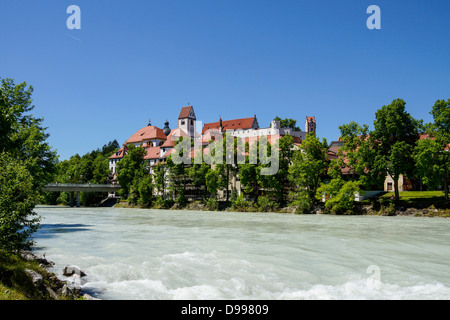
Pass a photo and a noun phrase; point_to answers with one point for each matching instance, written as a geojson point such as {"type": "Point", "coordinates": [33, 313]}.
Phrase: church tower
{"type": "Point", "coordinates": [187, 120]}
{"type": "Point", "coordinates": [310, 125]}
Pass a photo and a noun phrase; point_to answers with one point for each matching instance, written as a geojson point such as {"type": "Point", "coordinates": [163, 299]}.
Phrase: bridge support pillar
{"type": "Point", "coordinates": [78, 199]}
{"type": "Point", "coordinates": [71, 198]}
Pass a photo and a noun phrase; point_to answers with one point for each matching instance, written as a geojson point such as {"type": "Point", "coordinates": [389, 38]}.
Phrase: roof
{"type": "Point", "coordinates": [186, 111]}
{"type": "Point", "coordinates": [153, 153]}
{"type": "Point", "coordinates": [172, 137]}
{"type": "Point", "coordinates": [244, 123]}
{"type": "Point", "coordinates": [147, 133]}
{"type": "Point", "coordinates": [311, 119]}
{"type": "Point", "coordinates": [119, 154]}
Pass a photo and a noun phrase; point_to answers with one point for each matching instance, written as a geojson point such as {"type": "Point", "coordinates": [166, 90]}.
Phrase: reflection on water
{"type": "Point", "coordinates": [158, 254]}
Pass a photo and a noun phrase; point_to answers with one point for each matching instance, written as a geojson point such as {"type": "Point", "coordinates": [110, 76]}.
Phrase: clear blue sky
{"type": "Point", "coordinates": [140, 59]}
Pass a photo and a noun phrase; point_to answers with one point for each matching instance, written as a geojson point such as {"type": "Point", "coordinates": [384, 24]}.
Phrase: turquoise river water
{"type": "Point", "coordinates": [162, 254]}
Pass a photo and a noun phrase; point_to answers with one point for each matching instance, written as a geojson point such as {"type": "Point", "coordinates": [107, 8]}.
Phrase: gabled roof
{"type": "Point", "coordinates": [187, 112]}
{"type": "Point", "coordinates": [119, 154]}
{"type": "Point", "coordinates": [244, 123]}
{"type": "Point", "coordinates": [147, 133]}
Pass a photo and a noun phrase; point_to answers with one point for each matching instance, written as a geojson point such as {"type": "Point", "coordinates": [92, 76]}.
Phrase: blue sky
{"type": "Point", "coordinates": [141, 59]}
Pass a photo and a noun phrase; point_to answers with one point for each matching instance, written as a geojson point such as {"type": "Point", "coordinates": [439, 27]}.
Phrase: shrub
{"type": "Point", "coordinates": [212, 204]}
{"type": "Point", "coordinates": [341, 195]}
{"type": "Point", "coordinates": [266, 204]}
{"type": "Point", "coordinates": [302, 201]}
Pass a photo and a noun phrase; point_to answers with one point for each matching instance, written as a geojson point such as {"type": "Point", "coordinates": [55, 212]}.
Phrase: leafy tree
{"type": "Point", "coordinates": [309, 163]}
{"type": "Point", "coordinates": [394, 136]}
{"type": "Point", "coordinates": [26, 163]}
{"type": "Point", "coordinates": [131, 168]}
{"type": "Point", "coordinates": [22, 135]}
{"type": "Point", "coordinates": [287, 123]}
{"type": "Point", "coordinates": [212, 182]}
{"type": "Point", "coordinates": [197, 172]}
{"type": "Point", "coordinates": [432, 155]}
{"type": "Point", "coordinates": [145, 190]}
{"type": "Point", "coordinates": [160, 178]}
{"type": "Point", "coordinates": [17, 201]}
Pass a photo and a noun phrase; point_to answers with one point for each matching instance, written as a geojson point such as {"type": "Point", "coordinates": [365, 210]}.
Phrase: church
{"type": "Point", "coordinates": [159, 143]}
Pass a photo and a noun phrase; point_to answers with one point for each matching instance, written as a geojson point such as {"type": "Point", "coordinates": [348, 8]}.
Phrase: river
{"type": "Point", "coordinates": [163, 254]}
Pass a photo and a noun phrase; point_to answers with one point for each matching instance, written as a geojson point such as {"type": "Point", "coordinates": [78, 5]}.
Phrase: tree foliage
{"type": "Point", "coordinates": [26, 163]}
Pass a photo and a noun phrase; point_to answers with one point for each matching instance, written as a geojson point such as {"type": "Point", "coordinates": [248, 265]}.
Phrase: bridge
{"type": "Point", "coordinates": [77, 188]}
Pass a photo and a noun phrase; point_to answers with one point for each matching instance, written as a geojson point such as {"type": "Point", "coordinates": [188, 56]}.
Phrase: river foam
{"type": "Point", "coordinates": [157, 254]}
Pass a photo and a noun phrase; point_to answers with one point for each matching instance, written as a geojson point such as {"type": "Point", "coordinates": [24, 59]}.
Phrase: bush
{"type": "Point", "coordinates": [161, 203]}
{"type": "Point", "coordinates": [302, 201]}
{"type": "Point", "coordinates": [212, 204]}
{"type": "Point", "coordinates": [341, 195]}
{"type": "Point", "coordinates": [266, 204]}
{"type": "Point", "coordinates": [239, 203]}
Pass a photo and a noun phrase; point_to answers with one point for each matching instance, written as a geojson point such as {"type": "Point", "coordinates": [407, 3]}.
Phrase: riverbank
{"type": "Point", "coordinates": [377, 206]}
{"type": "Point", "coordinates": [25, 276]}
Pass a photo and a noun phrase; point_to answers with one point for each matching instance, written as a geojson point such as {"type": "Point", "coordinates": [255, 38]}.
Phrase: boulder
{"type": "Point", "coordinates": [36, 278]}
{"type": "Point", "coordinates": [71, 270]}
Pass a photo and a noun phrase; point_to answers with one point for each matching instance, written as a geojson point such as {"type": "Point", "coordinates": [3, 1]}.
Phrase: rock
{"type": "Point", "coordinates": [75, 281]}
{"type": "Point", "coordinates": [36, 278]}
{"type": "Point", "coordinates": [71, 270]}
{"type": "Point", "coordinates": [89, 297]}
{"type": "Point", "coordinates": [52, 293]}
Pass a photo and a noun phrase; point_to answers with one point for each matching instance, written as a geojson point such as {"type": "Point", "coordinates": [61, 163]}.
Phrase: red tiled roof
{"type": "Point", "coordinates": [185, 112]}
{"type": "Point", "coordinates": [147, 133]}
{"type": "Point", "coordinates": [171, 138]}
{"type": "Point", "coordinates": [311, 119]}
{"type": "Point", "coordinates": [153, 153]}
{"type": "Point", "coordinates": [244, 123]}
{"type": "Point", "coordinates": [119, 154]}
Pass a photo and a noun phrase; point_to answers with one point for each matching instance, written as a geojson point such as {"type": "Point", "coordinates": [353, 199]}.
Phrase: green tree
{"type": "Point", "coordinates": [394, 136]}
{"type": "Point", "coordinates": [22, 135]}
{"type": "Point", "coordinates": [17, 201]}
{"type": "Point", "coordinates": [309, 163]}
{"type": "Point", "coordinates": [159, 176]}
{"type": "Point", "coordinates": [431, 155]}
{"type": "Point", "coordinates": [26, 163]}
{"type": "Point", "coordinates": [212, 182]}
{"type": "Point", "coordinates": [287, 123]}
{"type": "Point", "coordinates": [131, 168]}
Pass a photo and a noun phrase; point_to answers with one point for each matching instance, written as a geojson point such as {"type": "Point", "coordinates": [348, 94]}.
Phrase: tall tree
{"type": "Point", "coordinates": [309, 163]}
{"type": "Point", "coordinates": [394, 136]}
{"type": "Point", "coordinates": [130, 168]}
{"type": "Point", "coordinates": [432, 155]}
{"type": "Point", "coordinates": [26, 163]}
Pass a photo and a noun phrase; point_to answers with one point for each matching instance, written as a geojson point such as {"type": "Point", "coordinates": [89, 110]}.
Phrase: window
{"type": "Point", "coordinates": [182, 122]}
{"type": "Point", "coordinates": [192, 122]}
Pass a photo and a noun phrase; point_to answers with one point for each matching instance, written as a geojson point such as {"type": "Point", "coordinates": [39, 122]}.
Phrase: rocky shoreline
{"type": "Point", "coordinates": [50, 286]}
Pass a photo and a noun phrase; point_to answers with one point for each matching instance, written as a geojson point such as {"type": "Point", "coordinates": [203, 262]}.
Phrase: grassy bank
{"type": "Point", "coordinates": [16, 283]}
